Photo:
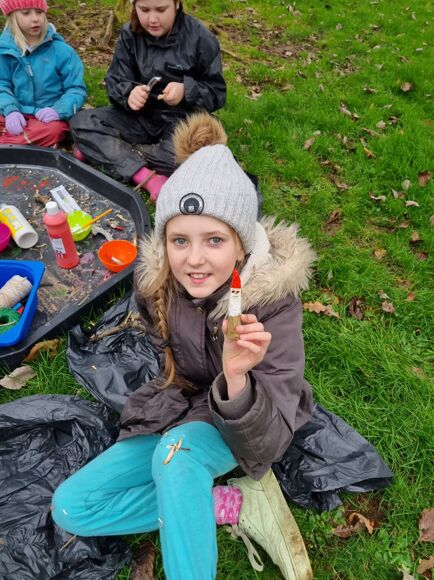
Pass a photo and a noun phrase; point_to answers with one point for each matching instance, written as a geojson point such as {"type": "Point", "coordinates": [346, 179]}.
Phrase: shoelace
{"type": "Point", "coordinates": [252, 554]}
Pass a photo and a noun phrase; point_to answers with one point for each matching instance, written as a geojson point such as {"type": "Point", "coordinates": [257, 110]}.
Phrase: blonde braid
{"type": "Point", "coordinates": [162, 304]}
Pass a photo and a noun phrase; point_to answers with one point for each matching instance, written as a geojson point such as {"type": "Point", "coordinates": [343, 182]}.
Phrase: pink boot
{"type": "Point", "coordinates": [78, 154]}
{"type": "Point", "coordinates": [150, 180]}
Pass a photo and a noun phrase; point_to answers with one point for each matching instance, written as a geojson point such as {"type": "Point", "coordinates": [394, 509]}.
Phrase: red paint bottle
{"type": "Point", "coordinates": [60, 236]}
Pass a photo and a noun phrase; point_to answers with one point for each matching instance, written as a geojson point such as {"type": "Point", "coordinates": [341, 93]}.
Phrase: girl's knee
{"type": "Point", "coordinates": [65, 509]}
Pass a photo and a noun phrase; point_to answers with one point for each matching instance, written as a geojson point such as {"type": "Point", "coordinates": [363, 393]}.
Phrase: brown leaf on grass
{"type": "Point", "coordinates": [415, 238]}
{"type": "Point", "coordinates": [411, 203]}
{"type": "Point", "coordinates": [369, 90]}
{"type": "Point", "coordinates": [356, 522]}
{"type": "Point", "coordinates": [319, 308]}
{"type": "Point", "coordinates": [356, 518]}
{"type": "Point", "coordinates": [369, 154]}
{"type": "Point", "coordinates": [18, 378]}
{"type": "Point", "coordinates": [397, 194]}
{"type": "Point", "coordinates": [48, 346]}
{"type": "Point", "coordinates": [333, 166]}
{"type": "Point", "coordinates": [425, 565]}
{"type": "Point", "coordinates": [142, 565]}
{"type": "Point", "coordinates": [419, 372]}
{"type": "Point", "coordinates": [341, 185]}
{"type": "Point", "coordinates": [404, 225]}
{"type": "Point", "coordinates": [308, 143]}
{"type": "Point", "coordinates": [380, 253]}
{"type": "Point", "coordinates": [431, 220]}
{"type": "Point", "coordinates": [406, 184]}
{"type": "Point", "coordinates": [371, 132]}
{"type": "Point", "coordinates": [410, 297]}
{"type": "Point", "coordinates": [355, 308]}
{"type": "Point", "coordinates": [378, 197]}
{"type": "Point", "coordinates": [426, 526]}
{"type": "Point", "coordinates": [406, 87]}
{"type": "Point", "coordinates": [422, 256]}
{"type": "Point", "coordinates": [423, 178]}
{"type": "Point", "coordinates": [407, 576]}
{"type": "Point", "coordinates": [387, 307]}
{"type": "Point", "coordinates": [343, 109]}
{"type": "Point", "coordinates": [393, 120]}
{"type": "Point", "coordinates": [334, 216]}
{"type": "Point", "coordinates": [381, 125]}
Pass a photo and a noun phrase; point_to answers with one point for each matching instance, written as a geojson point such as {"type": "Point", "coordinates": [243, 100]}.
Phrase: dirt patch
{"type": "Point", "coordinates": [88, 29]}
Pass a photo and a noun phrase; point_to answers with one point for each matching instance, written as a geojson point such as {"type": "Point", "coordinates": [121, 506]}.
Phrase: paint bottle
{"type": "Point", "coordinates": [22, 232]}
{"type": "Point", "coordinates": [60, 236]}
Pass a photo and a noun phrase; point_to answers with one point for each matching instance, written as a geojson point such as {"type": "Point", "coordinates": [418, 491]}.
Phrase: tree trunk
{"type": "Point", "coordinates": [122, 11]}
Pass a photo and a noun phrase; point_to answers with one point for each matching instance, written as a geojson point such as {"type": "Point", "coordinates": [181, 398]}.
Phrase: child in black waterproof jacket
{"type": "Point", "coordinates": [132, 138]}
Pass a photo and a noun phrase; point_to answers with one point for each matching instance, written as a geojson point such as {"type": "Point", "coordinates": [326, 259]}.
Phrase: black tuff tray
{"type": "Point", "coordinates": [27, 174]}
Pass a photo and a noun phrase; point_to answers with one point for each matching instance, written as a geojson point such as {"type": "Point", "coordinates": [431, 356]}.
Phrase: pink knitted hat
{"type": "Point", "coordinates": [8, 6]}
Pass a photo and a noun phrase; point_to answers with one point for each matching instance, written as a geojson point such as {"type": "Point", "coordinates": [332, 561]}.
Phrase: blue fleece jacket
{"type": "Point", "coordinates": [49, 76]}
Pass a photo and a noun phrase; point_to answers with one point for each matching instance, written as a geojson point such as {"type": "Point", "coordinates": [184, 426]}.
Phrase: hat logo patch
{"type": "Point", "coordinates": [191, 204]}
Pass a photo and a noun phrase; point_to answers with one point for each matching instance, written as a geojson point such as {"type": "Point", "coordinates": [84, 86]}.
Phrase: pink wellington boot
{"type": "Point", "coordinates": [150, 180]}
{"type": "Point", "coordinates": [78, 154]}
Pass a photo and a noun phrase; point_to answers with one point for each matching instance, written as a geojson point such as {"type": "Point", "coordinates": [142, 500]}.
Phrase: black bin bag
{"type": "Point", "coordinates": [116, 365]}
{"type": "Point", "coordinates": [326, 455]}
{"type": "Point", "coordinates": [43, 440]}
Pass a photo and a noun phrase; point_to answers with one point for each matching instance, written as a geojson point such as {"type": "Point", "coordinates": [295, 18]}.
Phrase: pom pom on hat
{"type": "Point", "coordinates": [8, 6]}
{"type": "Point", "coordinates": [209, 182]}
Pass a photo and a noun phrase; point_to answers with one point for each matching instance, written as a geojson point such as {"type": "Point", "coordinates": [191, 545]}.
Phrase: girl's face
{"type": "Point", "coordinates": [157, 16]}
{"type": "Point", "coordinates": [31, 23]}
{"type": "Point", "coordinates": [202, 252]}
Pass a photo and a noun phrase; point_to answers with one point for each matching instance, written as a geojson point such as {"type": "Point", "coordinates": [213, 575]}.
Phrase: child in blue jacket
{"type": "Point", "coordinates": [41, 77]}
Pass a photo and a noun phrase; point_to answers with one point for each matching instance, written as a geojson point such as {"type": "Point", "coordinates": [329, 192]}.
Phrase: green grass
{"type": "Point", "coordinates": [375, 373]}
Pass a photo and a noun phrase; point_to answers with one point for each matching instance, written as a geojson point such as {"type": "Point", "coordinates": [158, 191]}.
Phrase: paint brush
{"type": "Point", "coordinates": [98, 217]}
{"type": "Point", "coordinates": [234, 307]}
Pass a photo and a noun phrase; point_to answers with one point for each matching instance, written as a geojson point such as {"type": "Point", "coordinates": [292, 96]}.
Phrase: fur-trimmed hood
{"type": "Point", "coordinates": [279, 264]}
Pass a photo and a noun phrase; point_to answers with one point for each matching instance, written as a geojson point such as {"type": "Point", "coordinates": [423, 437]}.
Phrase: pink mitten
{"type": "Point", "coordinates": [15, 123]}
{"type": "Point", "coordinates": [46, 115]}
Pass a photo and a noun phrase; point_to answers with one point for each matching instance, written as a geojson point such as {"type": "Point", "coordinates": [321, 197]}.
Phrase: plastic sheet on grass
{"type": "Point", "coordinates": [43, 440]}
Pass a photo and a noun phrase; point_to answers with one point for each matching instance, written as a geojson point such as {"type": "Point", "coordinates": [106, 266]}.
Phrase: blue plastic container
{"type": "Point", "coordinates": [33, 271]}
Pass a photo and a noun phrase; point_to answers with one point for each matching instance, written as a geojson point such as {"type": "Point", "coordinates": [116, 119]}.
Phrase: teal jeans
{"type": "Point", "coordinates": [129, 489]}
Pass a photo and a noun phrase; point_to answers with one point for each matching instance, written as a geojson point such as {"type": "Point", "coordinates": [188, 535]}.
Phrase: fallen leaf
{"type": "Point", "coordinates": [393, 120]}
{"type": "Point", "coordinates": [406, 184]}
{"type": "Point", "coordinates": [343, 109]}
{"type": "Point", "coordinates": [378, 197]}
{"type": "Point", "coordinates": [419, 372]}
{"type": "Point", "coordinates": [431, 220]}
{"type": "Point", "coordinates": [334, 216]}
{"type": "Point", "coordinates": [343, 531]}
{"type": "Point", "coordinates": [407, 576]}
{"type": "Point", "coordinates": [48, 346]}
{"type": "Point", "coordinates": [403, 225]}
{"type": "Point", "coordinates": [308, 143]}
{"type": "Point", "coordinates": [426, 526]}
{"type": "Point", "coordinates": [415, 238]}
{"type": "Point", "coordinates": [423, 178]}
{"type": "Point", "coordinates": [387, 307]}
{"type": "Point", "coordinates": [369, 90]}
{"type": "Point", "coordinates": [142, 565]}
{"type": "Point", "coordinates": [334, 166]}
{"type": "Point", "coordinates": [341, 185]}
{"type": "Point", "coordinates": [18, 378]}
{"type": "Point", "coordinates": [381, 125]}
{"type": "Point", "coordinates": [397, 194]}
{"type": "Point", "coordinates": [411, 203]}
{"type": "Point", "coordinates": [355, 308]}
{"type": "Point", "coordinates": [379, 253]}
{"type": "Point", "coordinates": [383, 295]}
{"type": "Point", "coordinates": [406, 87]}
{"type": "Point", "coordinates": [410, 297]}
{"type": "Point", "coordinates": [319, 308]}
{"type": "Point", "coordinates": [425, 565]}
{"type": "Point", "coordinates": [359, 518]}
{"type": "Point", "coordinates": [371, 132]}
{"type": "Point", "coordinates": [422, 256]}
{"type": "Point", "coordinates": [369, 154]}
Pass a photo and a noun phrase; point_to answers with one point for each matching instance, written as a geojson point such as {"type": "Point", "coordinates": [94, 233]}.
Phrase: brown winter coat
{"type": "Point", "coordinates": [259, 425]}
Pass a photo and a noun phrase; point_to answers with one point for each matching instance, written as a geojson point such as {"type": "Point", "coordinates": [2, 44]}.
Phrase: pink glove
{"type": "Point", "coordinates": [15, 123]}
{"type": "Point", "coordinates": [46, 115]}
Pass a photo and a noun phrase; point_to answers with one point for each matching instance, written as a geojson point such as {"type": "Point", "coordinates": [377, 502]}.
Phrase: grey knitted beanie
{"type": "Point", "coordinates": [210, 182]}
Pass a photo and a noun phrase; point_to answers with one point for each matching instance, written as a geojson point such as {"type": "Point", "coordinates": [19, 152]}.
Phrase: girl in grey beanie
{"type": "Point", "coordinates": [218, 402]}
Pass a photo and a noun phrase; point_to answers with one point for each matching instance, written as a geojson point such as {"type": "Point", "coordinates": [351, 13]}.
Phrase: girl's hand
{"type": "Point", "coordinates": [173, 94]}
{"type": "Point", "coordinates": [138, 97]}
{"type": "Point", "coordinates": [240, 356]}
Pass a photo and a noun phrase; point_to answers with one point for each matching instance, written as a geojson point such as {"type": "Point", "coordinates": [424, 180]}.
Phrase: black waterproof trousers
{"type": "Point", "coordinates": [121, 142]}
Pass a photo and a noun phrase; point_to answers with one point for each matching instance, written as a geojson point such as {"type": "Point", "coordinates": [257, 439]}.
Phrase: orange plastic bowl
{"type": "Point", "coordinates": [117, 254]}
{"type": "Point", "coordinates": [5, 236]}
